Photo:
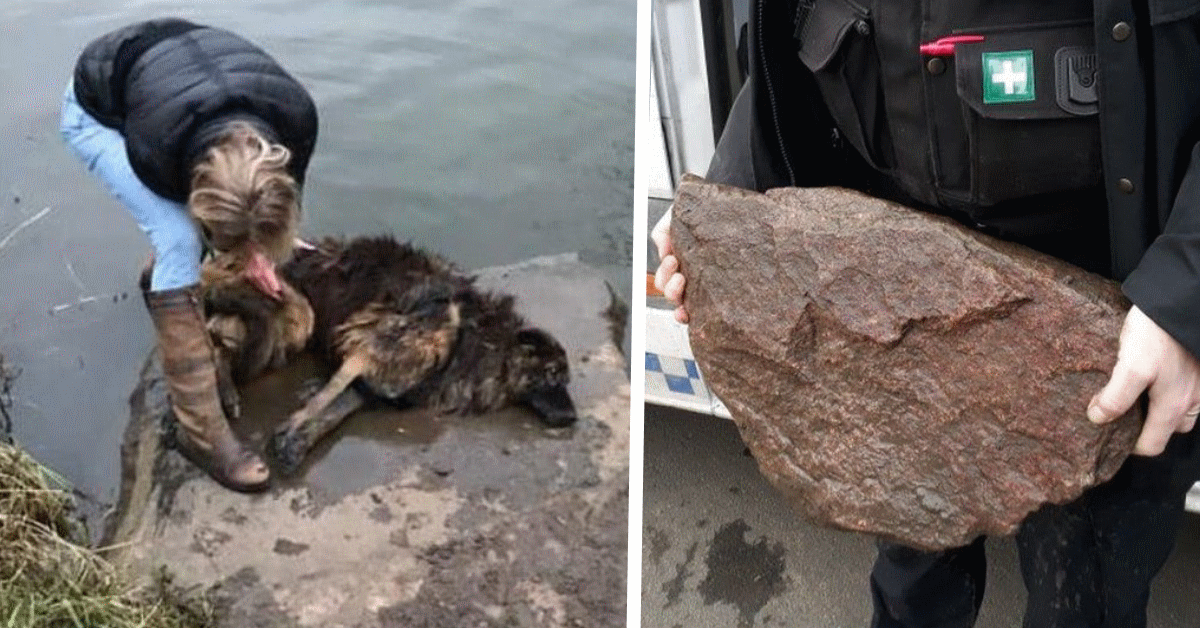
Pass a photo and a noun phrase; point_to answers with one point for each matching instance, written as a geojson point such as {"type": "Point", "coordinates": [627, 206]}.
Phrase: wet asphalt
{"type": "Point", "coordinates": [721, 548]}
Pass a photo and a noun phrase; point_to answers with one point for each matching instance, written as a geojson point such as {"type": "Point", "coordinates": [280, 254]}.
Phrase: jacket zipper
{"type": "Point", "coordinates": [762, 58]}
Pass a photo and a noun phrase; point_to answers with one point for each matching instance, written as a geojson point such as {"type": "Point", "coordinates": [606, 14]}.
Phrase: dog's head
{"type": "Point", "coordinates": [540, 365]}
{"type": "Point", "coordinates": [256, 331]}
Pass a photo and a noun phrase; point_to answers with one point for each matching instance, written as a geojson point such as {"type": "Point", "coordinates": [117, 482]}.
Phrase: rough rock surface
{"type": "Point", "coordinates": [894, 372]}
{"type": "Point", "coordinates": [403, 518]}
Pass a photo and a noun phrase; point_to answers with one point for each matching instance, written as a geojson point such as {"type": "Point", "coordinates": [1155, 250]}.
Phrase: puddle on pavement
{"type": "Point", "coordinates": [376, 444]}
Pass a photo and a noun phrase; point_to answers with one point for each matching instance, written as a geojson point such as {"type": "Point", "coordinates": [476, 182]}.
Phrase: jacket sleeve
{"type": "Point", "coordinates": [1166, 283]}
{"type": "Point", "coordinates": [779, 131]}
{"type": "Point", "coordinates": [733, 161]}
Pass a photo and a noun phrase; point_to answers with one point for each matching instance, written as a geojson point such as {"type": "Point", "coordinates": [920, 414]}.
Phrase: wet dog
{"type": "Point", "coordinates": [403, 325]}
{"type": "Point", "coordinates": [251, 332]}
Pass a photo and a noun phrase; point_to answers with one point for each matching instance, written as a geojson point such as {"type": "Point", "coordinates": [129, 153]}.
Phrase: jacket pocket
{"type": "Point", "coordinates": [837, 46]}
{"type": "Point", "coordinates": [1017, 116]}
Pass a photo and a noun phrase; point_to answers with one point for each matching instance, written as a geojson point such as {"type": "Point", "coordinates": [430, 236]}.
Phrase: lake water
{"type": "Point", "coordinates": [490, 131]}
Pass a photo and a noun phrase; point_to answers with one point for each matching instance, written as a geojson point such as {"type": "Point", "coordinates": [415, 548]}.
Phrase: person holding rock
{"type": "Point", "coordinates": [205, 139]}
{"type": "Point", "coordinates": [1067, 127]}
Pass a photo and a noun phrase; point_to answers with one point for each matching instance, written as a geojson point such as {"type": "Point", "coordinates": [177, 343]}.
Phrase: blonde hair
{"type": "Point", "coordinates": [243, 194]}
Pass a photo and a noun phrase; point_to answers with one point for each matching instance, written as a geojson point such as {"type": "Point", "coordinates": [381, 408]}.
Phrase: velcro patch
{"type": "Point", "coordinates": [1075, 72]}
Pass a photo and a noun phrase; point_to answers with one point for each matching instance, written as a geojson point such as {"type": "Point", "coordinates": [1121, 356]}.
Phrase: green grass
{"type": "Point", "coordinates": [49, 578]}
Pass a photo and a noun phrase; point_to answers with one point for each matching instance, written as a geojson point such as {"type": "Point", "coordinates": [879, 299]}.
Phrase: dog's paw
{"type": "Point", "coordinates": [309, 388]}
{"type": "Point", "coordinates": [288, 449]}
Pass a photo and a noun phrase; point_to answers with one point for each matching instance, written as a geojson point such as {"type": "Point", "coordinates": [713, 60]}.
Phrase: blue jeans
{"type": "Point", "coordinates": [175, 238]}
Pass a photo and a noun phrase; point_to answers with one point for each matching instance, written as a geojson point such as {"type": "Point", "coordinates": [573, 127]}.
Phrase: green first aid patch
{"type": "Point", "coordinates": [1008, 77]}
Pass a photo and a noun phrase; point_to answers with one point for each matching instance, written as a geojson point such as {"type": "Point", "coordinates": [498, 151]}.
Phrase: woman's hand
{"type": "Point", "coordinates": [668, 278]}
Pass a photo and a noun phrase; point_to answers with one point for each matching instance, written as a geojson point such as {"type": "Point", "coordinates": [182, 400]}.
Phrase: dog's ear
{"type": "Point", "coordinates": [539, 344]}
{"type": "Point", "coordinates": [535, 338]}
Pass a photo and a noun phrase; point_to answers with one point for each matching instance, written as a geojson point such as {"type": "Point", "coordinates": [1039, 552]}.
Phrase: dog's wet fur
{"type": "Point", "coordinates": [400, 324]}
{"type": "Point", "coordinates": [252, 333]}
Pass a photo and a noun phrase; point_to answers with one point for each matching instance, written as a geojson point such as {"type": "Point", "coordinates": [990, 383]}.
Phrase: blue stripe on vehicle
{"type": "Point", "coordinates": [679, 384]}
{"type": "Point", "coordinates": [652, 363]}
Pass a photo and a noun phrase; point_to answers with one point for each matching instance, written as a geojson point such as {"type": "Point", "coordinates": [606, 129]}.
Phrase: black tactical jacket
{"type": "Point", "coordinates": [1140, 174]}
{"type": "Point", "coordinates": [170, 87]}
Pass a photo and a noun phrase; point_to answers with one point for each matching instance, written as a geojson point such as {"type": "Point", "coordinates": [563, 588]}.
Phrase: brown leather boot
{"type": "Point", "coordinates": [231, 401]}
{"type": "Point", "coordinates": [189, 364]}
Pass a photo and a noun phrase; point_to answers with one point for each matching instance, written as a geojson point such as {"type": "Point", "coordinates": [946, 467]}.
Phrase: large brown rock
{"type": "Point", "coordinates": [894, 372]}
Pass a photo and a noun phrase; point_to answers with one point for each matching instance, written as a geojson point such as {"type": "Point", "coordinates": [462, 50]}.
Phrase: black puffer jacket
{"type": "Point", "coordinates": [171, 87]}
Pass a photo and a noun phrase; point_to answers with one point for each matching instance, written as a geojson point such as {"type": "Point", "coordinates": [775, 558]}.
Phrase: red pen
{"type": "Point", "coordinates": [944, 47]}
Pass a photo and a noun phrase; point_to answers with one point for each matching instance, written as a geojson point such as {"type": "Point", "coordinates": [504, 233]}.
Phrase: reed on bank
{"type": "Point", "coordinates": [49, 577]}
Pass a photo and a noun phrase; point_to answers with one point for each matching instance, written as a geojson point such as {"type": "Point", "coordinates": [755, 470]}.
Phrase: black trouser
{"type": "Point", "coordinates": [1088, 563]}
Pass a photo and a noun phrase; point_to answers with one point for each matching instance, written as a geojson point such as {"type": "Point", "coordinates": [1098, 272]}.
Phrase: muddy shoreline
{"type": "Point", "coordinates": [406, 518]}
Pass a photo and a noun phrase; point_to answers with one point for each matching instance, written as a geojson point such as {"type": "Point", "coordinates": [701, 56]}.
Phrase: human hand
{"type": "Point", "coordinates": [668, 278]}
{"type": "Point", "coordinates": [261, 272]}
{"type": "Point", "coordinates": [1150, 359]}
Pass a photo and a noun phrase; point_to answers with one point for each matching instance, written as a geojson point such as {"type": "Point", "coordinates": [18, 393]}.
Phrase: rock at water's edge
{"type": "Point", "coordinates": [529, 529]}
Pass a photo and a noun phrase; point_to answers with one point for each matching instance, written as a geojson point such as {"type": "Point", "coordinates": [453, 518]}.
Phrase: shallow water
{"type": "Point", "coordinates": [490, 131]}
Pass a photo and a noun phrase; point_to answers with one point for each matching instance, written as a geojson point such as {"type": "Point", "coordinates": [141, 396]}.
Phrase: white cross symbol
{"type": "Point", "coordinates": [1009, 77]}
